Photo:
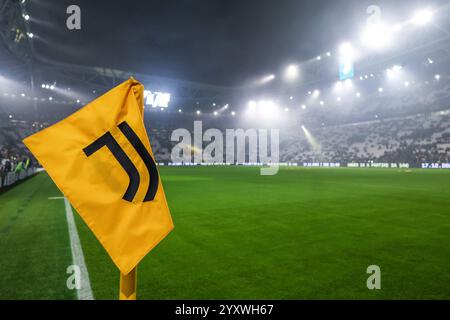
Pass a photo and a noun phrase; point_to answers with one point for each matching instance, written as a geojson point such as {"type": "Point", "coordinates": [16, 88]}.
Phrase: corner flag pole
{"type": "Point", "coordinates": [128, 284]}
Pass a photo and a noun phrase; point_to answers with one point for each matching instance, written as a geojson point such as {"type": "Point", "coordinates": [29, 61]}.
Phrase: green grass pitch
{"type": "Point", "coordinates": [302, 234]}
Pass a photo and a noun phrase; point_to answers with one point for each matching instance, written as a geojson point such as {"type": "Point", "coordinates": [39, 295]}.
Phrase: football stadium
{"type": "Point", "coordinates": [300, 148]}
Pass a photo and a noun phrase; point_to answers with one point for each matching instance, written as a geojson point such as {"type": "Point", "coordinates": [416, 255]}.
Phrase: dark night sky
{"type": "Point", "coordinates": [220, 42]}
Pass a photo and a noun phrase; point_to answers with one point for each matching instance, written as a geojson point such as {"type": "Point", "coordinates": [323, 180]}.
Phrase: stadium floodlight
{"type": "Point", "coordinates": [251, 105]}
{"type": "Point", "coordinates": [50, 98]}
{"type": "Point", "coordinates": [52, 87]}
{"type": "Point", "coordinates": [233, 113]}
{"type": "Point", "coordinates": [198, 112]}
{"type": "Point", "coordinates": [214, 104]}
{"type": "Point", "coordinates": [430, 61]}
{"type": "Point", "coordinates": [26, 17]}
{"type": "Point", "coordinates": [286, 109]}
{"type": "Point", "coordinates": [348, 83]}
{"type": "Point", "coordinates": [380, 89]}
{"type": "Point", "coordinates": [318, 58]}
{"type": "Point", "coordinates": [376, 36]}
{"type": "Point", "coordinates": [338, 99]}
{"type": "Point", "coordinates": [328, 54]}
{"type": "Point", "coordinates": [406, 83]}
{"type": "Point", "coordinates": [291, 72]}
{"type": "Point", "coordinates": [291, 98]}
{"type": "Point", "coordinates": [267, 78]}
{"type": "Point", "coordinates": [422, 17]}
{"type": "Point", "coordinates": [338, 86]}
{"type": "Point", "coordinates": [43, 86]}
{"type": "Point", "coordinates": [78, 100]}
{"type": "Point", "coordinates": [22, 94]}
{"type": "Point", "coordinates": [437, 76]}
{"type": "Point", "coordinates": [30, 35]}
{"type": "Point", "coordinates": [316, 93]}
{"type": "Point", "coordinates": [366, 76]}
{"type": "Point", "coordinates": [179, 110]}
{"type": "Point", "coordinates": [321, 103]}
{"type": "Point", "coordinates": [358, 95]}
{"type": "Point", "coordinates": [47, 86]}
{"type": "Point", "coordinates": [303, 106]}
{"type": "Point", "coordinates": [346, 51]}
{"type": "Point", "coordinates": [361, 78]}
{"type": "Point", "coordinates": [225, 106]}
{"type": "Point", "coordinates": [215, 113]}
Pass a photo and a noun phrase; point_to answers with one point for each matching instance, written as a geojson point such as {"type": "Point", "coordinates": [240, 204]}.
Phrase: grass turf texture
{"type": "Point", "coordinates": [302, 234]}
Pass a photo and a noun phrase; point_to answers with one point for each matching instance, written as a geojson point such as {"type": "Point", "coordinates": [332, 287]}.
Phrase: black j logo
{"type": "Point", "coordinates": [108, 140]}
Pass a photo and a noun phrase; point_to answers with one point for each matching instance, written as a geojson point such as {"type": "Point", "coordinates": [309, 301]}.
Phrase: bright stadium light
{"type": "Point", "coordinates": [291, 72]}
{"type": "Point", "coordinates": [43, 86]}
{"type": "Point", "coordinates": [251, 105]}
{"type": "Point", "coordinates": [267, 79]}
{"type": "Point", "coordinates": [26, 17]}
{"type": "Point", "coordinates": [286, 109]}
{"type": "Point", "coordinates": [380, 90]}
{"type": "Point", "coordinates": [376, 36]}
{"type": "Point", "coordinates": [50, 98]}
{"type": "Point", "coordinates": [358, 95]}
{"type": "Point", "coordinates": [233, 113]}
{"type": "Point", "coordinates": [215, 113]}
{"type": "Point", "coordinates": [316, 93]}
{"type": "Point", "coordinates": [291, 98]}
{"type": "Point", "coordinates": [328, 54]}
{"type": "Point", "coordinates": [78, 100]}
{"type": "Point", "coordinates": [22, 94]}
{"type": "Point", "coordinates": [321, 103]}
{"type": "Point", "coordinates": [422, 17]}
{"type": "Point", "coordinates": [338, 86]}
{"type": "Point", "coordinates": [179, 111]}
{"type": "Point", "coordinates": [303, 106]}
{"type": "Point", "coordinates": [437, 76]}
{"type": "Point", "coordinates": [406, 83]}
{"type": "Point", "coordinates": [318, 58]}
{"type": "Point", "coordinates": [348, 83]}
{"type": "Point", "coordinates": [198, 112]}
{"type": "Point", "coordinates": [30, 35]}
{"type": "Point", "coordinates": [338, 99]}
{"type": "Point", "coordinates": [346, 50]}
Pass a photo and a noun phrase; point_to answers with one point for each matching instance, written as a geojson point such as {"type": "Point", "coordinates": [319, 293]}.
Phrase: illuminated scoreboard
{"type": "Point", "coordinates": [156, 99]}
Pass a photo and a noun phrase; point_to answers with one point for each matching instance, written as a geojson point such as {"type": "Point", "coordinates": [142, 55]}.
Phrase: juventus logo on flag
{"type": "Point", "coordinates": [133, 174]}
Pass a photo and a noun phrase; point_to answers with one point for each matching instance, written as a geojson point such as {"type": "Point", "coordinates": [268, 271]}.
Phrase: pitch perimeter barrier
{"type": "Point", "coordinates": [11, 178]}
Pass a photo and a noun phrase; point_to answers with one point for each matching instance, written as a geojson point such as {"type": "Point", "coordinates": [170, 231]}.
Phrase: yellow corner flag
{"type": "Point", "coordinates": [100, 158]}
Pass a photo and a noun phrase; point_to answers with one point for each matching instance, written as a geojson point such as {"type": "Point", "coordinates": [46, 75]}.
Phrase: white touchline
{"type": "Point", "coordinates": [55, 198]}
{"type": "Point", "coordinates": [85, 292]}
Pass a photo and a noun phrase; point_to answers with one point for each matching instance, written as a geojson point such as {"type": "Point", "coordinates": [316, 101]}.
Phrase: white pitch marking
{"type": "Point", "coordinates": [55, 198]}
{"type": "Point", "coordinates": [85, 292]}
